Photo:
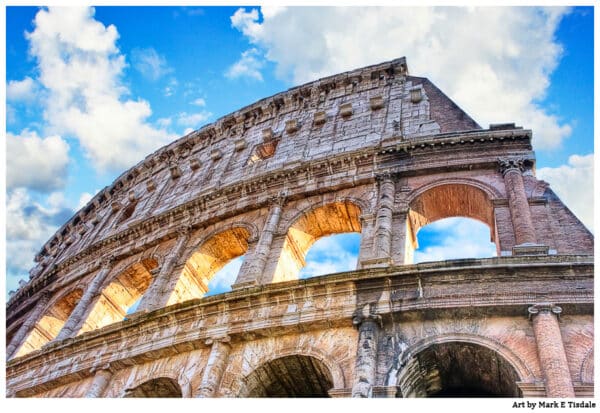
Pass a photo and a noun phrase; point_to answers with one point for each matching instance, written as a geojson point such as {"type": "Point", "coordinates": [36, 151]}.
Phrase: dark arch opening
{"type": "Point", "coordinates": [160, 387]}
{"type": "Point", "coordinates": [458, 369]}
{"type": "Point", "coordinates": [289, 376]}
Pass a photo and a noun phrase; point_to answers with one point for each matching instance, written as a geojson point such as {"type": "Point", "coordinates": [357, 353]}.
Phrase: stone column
{"type": "Point", "coordinates": [157, 294]}
{"type": "Point", "coordinates": [28, 325]}
{"type": "Point", "coordinates": [512, 169]}
{"type": "Point", "coordinates": [101, 379]}
{"type": "Point", "coordinates": [383, 224]}
{"type": "Point", "coordinates": [551, 351]}
{"type": "Point", "coordinates": [252, 272]}
{"type": "Point", "coordinates": [76, 319]}
{"type": "Point", "coordinates": [215, 366]}
{"type": "Point", "coordinates": [366, 354]}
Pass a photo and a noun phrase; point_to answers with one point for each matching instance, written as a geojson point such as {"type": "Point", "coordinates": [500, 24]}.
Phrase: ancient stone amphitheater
{"type": "Point", "coordinates": [374, 151]}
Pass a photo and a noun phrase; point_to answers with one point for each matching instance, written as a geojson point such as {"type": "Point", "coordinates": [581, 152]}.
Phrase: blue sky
{"type": "Point", "coordinates": [90, 92]}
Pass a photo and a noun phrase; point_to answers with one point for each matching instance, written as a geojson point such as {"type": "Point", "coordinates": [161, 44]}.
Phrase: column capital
{"type": "Point", "coordinates": [222, 339]}
{"type": "Point", "coordinates": [107, 262]}
{"type": "Point", "coordinates": [107, 367]}
{"type": "Point", "coordinates": [184, 230]}
{"type": "Point", "coordinates": [386, 176]}
{"type": "Point", "coordinates": [544, 308]}
{"type": "Point", "coordinates": [513, 163]}
{"type": "Point", "coordinates": [365, 315]}
{"type": "Point", "coordinates": [277, 200]}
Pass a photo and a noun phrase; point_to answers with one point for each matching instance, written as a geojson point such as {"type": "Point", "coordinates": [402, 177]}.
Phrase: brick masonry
{"type": "Point", "coordinates": [373, 151]}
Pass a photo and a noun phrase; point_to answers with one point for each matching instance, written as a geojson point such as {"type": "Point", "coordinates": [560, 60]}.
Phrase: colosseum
{"type": "Point", "coordinates": [373, 151]}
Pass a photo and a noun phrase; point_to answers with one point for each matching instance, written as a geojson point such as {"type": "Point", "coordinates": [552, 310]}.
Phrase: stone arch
{"type": "Point", "coordinates": [180, 380]}
{"type": "Point", "coordinates": [160, 387]}
{"type": "Point", "coordinates": [586, 372]}
{"type": "Point", "coordinates": [449, 198]}
{"type": "Point", "coordinates": [119, 293]}
{"type": "Point", "coordinates": [49, 325]}
{"type": "Point", "coordinates": [362, 205]}
{"type": "Point", "coordinates": [294, 356]}
{"type": "Point", "coordinates": [420, 377]}
{"type": "Point", "coordinates": [492, 192]}
{"type": "Point", "coordinates": [211, 253]}
{"type": "Point", "coordinates": [310, 224]}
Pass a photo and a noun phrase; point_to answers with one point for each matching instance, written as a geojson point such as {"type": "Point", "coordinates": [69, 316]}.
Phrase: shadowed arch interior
{"type": "Point", "coordinates": [458, 369]}
{"type": "Point", "coordinates": [289, 376]}
{"type": "Point", "coordinates": [334, 218]}
{"type": "Point", "coordinates": [206, 261]}
{"type": "Point", "coordinates": [51, 323]}
{"type": "Point", "coordinates": [118, 296]}
{"type": "Point", "coordinates": [162, 387]}
{"type": "Point", "coordinates": [446, 201]}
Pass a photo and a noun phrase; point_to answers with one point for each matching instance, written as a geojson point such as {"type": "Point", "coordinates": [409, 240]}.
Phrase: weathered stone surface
{"type": "Point", "coordinates": [372, 151]}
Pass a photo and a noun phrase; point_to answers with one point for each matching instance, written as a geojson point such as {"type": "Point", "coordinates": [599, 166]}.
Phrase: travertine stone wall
{"type": "Point", "coordinates": [372, 151]}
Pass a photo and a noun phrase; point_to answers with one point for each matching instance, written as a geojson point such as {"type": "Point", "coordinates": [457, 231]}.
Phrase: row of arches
{"type": "Point", "coordinates": [441, 369]}
{"type": "Point", "coordinates": [123, 292]}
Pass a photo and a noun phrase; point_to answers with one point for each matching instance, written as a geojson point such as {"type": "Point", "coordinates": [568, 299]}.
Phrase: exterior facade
{"type": "Point", "coordinates": [373, 151]}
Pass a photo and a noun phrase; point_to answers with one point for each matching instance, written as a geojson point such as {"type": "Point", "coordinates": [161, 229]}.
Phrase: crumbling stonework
{"type": "Point", "coordinates": [373, 151]}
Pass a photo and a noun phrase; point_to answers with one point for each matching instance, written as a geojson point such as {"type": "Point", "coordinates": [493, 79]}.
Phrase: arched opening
{"type": "Point", "coordinates": [120, 295]}
{"type": "Point", "coordinates": [335, 218]}
{"type": "Point", "coordinates": [51, 323]}
{"type": "Point", "coordinates": [458, 369]}
{"type": "Point", "coordinates": [450, 201]}
{"type": "Point", "coordinates": [160, 387]}
{"type": "Point", "coordinates": [289, 376]}
{"type": "Point", "coordinates": [331, 254]}
{"type": "Point", "coordinates": [206, 262]}
{"type": "Point", "coordinates": [453, 238]}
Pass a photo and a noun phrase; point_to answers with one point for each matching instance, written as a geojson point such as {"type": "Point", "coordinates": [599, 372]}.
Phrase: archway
{"type": "Point", "coordinates": [208, 259]}
{"type": "Point", "coordinates": [51, 323]}
{"type": "Point", "coordinates": [289, 376]}
{"type": "Point", "coordinates": [120, 295]}
{"type": "Point", "coordinates": [331, 254]}
{"type": "Point", "coordinates": [454, 238]}
{"type": "Point", "coordinates": [458, 369]}
{"type": "Point", "coordinates": [157, 388]}
{"type": "Point", "coordinates": [447, 201]}
{"type": "Point", "coordinates": [334, 218]}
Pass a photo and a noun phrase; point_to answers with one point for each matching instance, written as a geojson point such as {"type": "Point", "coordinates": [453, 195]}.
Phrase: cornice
{"type": "Point", "coordinates": [399, 282]}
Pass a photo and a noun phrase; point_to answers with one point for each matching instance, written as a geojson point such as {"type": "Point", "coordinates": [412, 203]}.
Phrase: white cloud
{"type": "Point", "coordinates": [574, 184]}
{"type": "Point", "coordinates": [453, 238]}
{"type": "Point", "coordinates": [81, 68]}
{"type": "Point", "coordinates": [149, 63]}
{"type": "Point", "coordinates": [494, 62]}
{"type": "Point", "coordinates": [36, 163]}
{"type": "Point", "coordinates": [169, 90]}
{"type": "Point", "coordinates": [193, 120]}
{"type": "Point", "coordinates": [84, 198]}
{"type": "Point", "coordinates": [29, 224]}
{"type": "Point", "coordinates": [21, 90]}
{"type": "Point", "coordinates": [331, 254]}
{"type": "Point", "coordinates": [249, 65]}
{"type": "Point", "coordinates": [225, 277]}
{"type": "Point", "coordinates": [199, 102]}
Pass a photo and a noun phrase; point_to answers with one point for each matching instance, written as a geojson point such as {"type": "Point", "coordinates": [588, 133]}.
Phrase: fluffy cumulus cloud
{"type": "Point", "coordinates": [225, 277]}
{"type": "Point", "coordinates": [21, 90]}
{"type": "Point", "coordinates": [454, 238]}
{"type": "Point", "coordinates": [574, 184]}
{"type": "Point", "coordinates": [494, 62]}
{"type": "Point", "coordinates": [336, 253]}
{"type": "Point", "coordinates": [28, 225]}
{"type": "Point", "coordinates": [249, 66]}
{"type": "Point", "coordinates": [193, 120]}
{"type": "Point", "coordinates": [36, 163]}
{"type": "Point", "coordinates": [81, 67]}
{"type": "Point", "coordinates": [149, 63]}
